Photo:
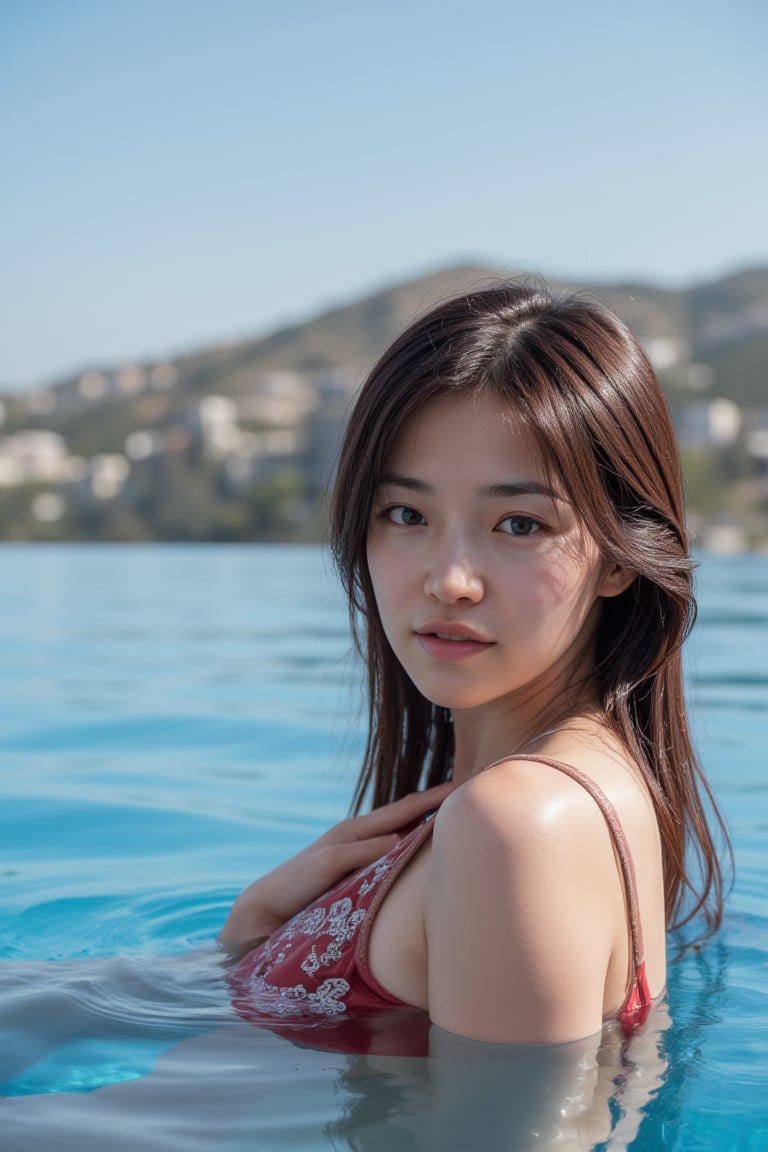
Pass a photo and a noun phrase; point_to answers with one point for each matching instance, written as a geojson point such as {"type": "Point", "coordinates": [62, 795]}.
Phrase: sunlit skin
{"type": "Point", "coordinates": [471, 539]}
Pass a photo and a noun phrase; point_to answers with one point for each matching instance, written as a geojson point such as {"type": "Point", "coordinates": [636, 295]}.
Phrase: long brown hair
{"type": "Point", "coordinates": [578, 379]}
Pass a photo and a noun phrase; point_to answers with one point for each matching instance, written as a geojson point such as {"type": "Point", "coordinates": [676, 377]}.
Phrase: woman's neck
{"type": "Point", "coordinates": [513, 725]}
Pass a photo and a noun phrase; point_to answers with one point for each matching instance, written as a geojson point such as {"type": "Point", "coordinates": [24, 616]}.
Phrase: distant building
{"type": "Point", "coordinates": [757, 445]}
{"type": "Point", "coordinates": [93, 385]}
{"type": "Point", "coordinates": [100, 478]}
{"type": "Point", "coordinates": [664, 351]}
{"type": "Point", "coordinates": [130, 379]}
{"type": "Point", "coordinates": [33, 456]}
{"type": "Point", "coordinates": [326, 424]}
{"type": "Point", "coordinates": [42, 402]}
{"type": "Point", "coordinates": [708, 424]}
{"type": "Point", "coordinates": [261, 454]}
{"type": "Point", "coordinates": [727, 539]}
{"type": "Point", "coordinates": [280, 400]}
{"type": "Point", "coordinates": [212, 424]}
{"type": "Point", "coordinates": [141, 444]}
{"type": "Point", "coordinates": [162, 377]}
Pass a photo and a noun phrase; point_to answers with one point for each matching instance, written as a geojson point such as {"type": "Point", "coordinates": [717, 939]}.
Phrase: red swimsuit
{"type": "Point", "coordinates": [315, 968]}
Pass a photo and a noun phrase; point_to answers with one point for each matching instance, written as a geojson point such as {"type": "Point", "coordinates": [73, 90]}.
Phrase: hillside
{"type": "Point", "coordinates": [706, 322]}
{"type": "Point", "coordinates": [708, 342]}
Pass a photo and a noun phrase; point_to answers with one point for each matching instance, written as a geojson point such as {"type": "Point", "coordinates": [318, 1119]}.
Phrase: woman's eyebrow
{"type": "Point", "coordinates": [520, 488]}
{"type": "Point", "coordinates": [490, 491]}
{"type": "Point", "coordinates": [409, 482]}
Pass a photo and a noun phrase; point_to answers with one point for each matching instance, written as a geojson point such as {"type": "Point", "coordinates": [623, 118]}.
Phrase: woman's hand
{"type": "Point", "coordinates": [354, 843]}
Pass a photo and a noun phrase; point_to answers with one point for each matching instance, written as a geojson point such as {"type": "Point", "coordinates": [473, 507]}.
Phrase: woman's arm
{"type": "Point", "coordinates": [354, 843]}
{"type": "Point", "coordinates": [523, 903]}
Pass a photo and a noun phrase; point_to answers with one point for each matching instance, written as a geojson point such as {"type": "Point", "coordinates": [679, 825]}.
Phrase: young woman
{"type": "Point", "coordinates": [508, 524]}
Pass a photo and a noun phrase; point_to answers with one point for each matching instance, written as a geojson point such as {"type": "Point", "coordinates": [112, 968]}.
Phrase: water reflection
{"type": "Point", "coordinates": [469, 1094]}
{"type": "Point", "coordinates": [697, 993]}
{"type": "Point", "coordinates": [236, 1082]}
{"type": "Point", "coordinates": [146, 1052]}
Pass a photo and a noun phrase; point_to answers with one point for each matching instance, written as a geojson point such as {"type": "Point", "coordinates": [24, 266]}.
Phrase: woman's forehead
{"type": "Point", "coordinates": [480, 429]}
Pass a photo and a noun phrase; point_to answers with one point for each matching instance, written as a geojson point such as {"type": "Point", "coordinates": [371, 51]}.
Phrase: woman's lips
{"type": "Point", "coordinates": [451, 643]}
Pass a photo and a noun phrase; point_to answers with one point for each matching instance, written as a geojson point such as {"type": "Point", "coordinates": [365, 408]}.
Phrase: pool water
{"type": "Point", "coordinates": [174, 721]}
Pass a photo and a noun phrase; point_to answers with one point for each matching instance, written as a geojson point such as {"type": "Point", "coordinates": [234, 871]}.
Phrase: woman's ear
{"type": "Point", "coordinates": [615, 580]}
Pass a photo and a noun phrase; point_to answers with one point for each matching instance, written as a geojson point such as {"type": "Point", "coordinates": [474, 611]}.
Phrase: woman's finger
{"type": "Point", "coordinates": [348, 857]}
{"type": "Point", "coordinates": [392, 817]}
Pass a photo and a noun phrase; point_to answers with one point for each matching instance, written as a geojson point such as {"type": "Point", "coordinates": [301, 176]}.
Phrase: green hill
{"type": "Point", "coordinates": [708, 341]}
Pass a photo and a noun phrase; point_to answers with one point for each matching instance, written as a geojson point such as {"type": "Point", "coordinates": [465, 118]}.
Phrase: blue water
{"type": "Point", "coordinates": [174, 721]}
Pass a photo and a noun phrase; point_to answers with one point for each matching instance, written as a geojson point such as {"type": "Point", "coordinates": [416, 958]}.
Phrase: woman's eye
{"type": "Point", "coordinates": [402, 514]}
{"type": "Point", "coordinates": [520, 526]}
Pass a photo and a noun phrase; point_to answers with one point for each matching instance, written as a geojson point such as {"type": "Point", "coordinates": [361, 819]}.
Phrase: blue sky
{"type": "Point", "coordinates": [178, 172]}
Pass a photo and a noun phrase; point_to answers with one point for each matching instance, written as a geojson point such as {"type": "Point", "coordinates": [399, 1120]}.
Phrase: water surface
{"type": "Point", "coordinates": [174, 721]}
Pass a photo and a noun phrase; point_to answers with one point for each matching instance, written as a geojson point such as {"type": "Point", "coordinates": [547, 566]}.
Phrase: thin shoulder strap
{"type": "Point", "coordinates": [623, 854]}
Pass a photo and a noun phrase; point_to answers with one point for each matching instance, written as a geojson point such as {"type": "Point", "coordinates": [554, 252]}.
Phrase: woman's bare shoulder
{"type": "Point", "coordinates": [521, 908]}
{"type": "Point", "coordinates": [519, 800]}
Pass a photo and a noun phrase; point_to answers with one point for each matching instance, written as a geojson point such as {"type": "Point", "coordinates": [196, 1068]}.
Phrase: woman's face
{"type": "Point", "coordinates": [487, 586]}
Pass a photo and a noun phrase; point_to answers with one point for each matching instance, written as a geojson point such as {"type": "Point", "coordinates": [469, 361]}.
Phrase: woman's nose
{"type": "Point", "coordinates": [455, 578]}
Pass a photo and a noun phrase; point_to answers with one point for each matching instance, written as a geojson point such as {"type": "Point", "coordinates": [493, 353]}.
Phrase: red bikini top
{"type": "Point", "coordinates": [311, 980]}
